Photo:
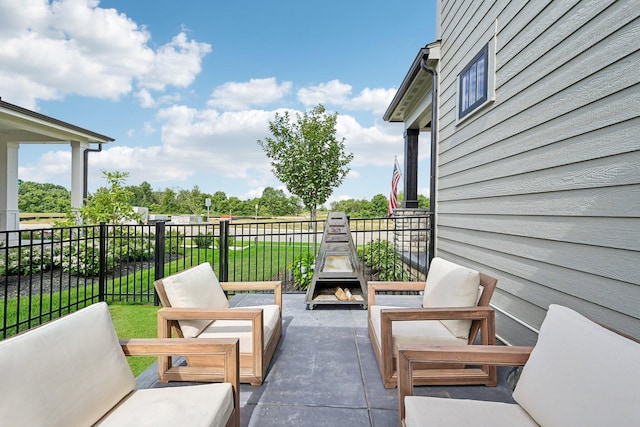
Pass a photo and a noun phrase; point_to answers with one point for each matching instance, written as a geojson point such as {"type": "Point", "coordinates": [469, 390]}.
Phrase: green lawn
{"type": "Point", "coordinates": [135, 321]}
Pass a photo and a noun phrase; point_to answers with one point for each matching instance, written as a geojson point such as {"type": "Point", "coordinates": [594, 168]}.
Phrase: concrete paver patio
{"type": "Point", "coordinates": [324, 372]}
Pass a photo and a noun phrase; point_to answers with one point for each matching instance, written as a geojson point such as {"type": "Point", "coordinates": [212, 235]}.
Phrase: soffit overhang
{"type": "Point", "coordinates": [415, 91]}
{"type": "Point", "coordinates": [25, 126]}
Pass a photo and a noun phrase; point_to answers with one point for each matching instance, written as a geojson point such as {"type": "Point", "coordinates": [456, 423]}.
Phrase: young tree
{"type": "Point", "coordinates": [111, 204]}
{"type": "Point", "coordinates": [306, 155]}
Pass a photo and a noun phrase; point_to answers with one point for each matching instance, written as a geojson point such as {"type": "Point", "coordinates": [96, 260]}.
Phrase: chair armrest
{"type": "Point", "coordinates": [485, 315]}
{"type": "Point", "coordinates": [273, 285]}
{"type": "Point", "coordinates": [373, 287]}
{"type": "Point", "coordinates": [228, 348]}
{"type": "Point", "coordinates": [167, 315]}
{"type": "Point", "coordinates": [410, 354]}
{"type": "Point", "coordinates": [178, 346]}
{"type": "Point", "coordinates": [435, 313]}
{"type": "Point", "coordinates": [178, 313]}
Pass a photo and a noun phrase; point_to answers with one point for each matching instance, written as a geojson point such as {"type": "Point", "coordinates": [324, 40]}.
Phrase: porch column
{"type": "Point", "coordinates": [9, 213]}
{"type": "Point", "coordinates": [77, 174]}
{"type": "Point", "coordinates": [411, 168]}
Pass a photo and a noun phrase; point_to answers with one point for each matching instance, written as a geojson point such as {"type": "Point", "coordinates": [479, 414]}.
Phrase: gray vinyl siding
{"type": "Point", "coordinates": [541, 188]}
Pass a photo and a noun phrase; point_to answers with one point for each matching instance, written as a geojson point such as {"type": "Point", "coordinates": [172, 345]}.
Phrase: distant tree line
{"type": "Point", "coordinates": [35, 197]}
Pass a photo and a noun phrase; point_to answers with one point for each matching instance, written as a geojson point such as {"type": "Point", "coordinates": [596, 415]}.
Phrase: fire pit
{"type": "Point", "coordinates": [337, 278]}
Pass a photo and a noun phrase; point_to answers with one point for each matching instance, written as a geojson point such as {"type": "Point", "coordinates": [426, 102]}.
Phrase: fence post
{"type": "Point", "coordinates": [159, 257]}
{"type": "Point", "coordinates": [224, 251]}
{"type": "Point", "coordinates": [102, 278]}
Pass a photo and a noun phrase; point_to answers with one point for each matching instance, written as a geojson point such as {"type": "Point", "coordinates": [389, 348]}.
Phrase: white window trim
{"type": "Point", "coordinates": [491, 82]}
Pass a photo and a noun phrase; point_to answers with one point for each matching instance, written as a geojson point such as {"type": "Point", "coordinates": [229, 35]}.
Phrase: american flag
{"type": "Point", "coordinates": [393, 197]}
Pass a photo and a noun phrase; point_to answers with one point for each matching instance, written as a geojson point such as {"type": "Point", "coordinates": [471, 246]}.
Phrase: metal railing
{"type": "Point", "coordinates": [45, 273]}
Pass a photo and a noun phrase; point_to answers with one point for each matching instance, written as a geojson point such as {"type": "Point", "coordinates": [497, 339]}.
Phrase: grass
{"type": "Point", "coordinates": [135, 321]}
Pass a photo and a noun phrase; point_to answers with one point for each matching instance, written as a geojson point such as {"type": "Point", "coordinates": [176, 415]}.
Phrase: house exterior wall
{"type": "Point", "coordinates": [541, 187]}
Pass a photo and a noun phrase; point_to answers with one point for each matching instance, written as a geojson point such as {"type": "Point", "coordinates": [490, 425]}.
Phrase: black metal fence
{"type": "Point", "coordinates": [45, 273]}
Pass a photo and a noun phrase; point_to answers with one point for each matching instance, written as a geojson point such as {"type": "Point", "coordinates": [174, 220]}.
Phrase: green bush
{"type": "Point", "coordinates": [174, 242]}
{"type": "Point", "coordinates": [32, 259]}
{"type": "Point", "coordinates": [133, 247]}
{"type": "Point", "coordinates": [384, 261]}
{"type": "Point", "coordinates": [84, 259]}
{"type": "Point", "coordinates": [203, 241]}
{"type": "Point", "coordinates": [302, 269]}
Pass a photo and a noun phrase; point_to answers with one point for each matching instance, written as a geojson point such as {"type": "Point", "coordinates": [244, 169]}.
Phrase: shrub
{"type": "Point", "coordinates": [382, 258]}
{"type": "Point", "coordinates": [204, 241]}
{"type": "Point", "coordinates": [133, 247]}
{"type": "Point", "coordinates": [83, 259]}
{"type": "Point", "coordinates": [174, 242]}
{"type": "Point", "coordinates": [302, 269]}
{"type": "Point", "coordinates": [32, 259]}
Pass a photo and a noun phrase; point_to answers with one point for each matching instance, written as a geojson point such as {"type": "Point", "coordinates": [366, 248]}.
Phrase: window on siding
{"type": "Point", "coordinates": [473, 83]}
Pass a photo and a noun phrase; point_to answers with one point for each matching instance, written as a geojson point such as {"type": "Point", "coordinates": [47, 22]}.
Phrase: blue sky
{"type": "Point", "coordinates": [187, 88]}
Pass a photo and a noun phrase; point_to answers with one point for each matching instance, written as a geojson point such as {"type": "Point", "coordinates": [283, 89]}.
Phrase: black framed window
{"type": "Point", "coordinates": [473, 83]}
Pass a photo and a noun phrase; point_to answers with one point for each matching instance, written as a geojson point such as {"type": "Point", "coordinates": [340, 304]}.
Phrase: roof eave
{"type": "Point", "coordinates": [18, 111]}
{"type": "Point", "coordinates": [424, 54]}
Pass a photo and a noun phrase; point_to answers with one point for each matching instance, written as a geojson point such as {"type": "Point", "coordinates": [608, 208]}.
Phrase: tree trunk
{"type": "Point", "coordinates": [315, 226]}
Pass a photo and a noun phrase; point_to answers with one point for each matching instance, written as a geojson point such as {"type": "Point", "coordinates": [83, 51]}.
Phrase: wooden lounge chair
{"type": "Point", "coordinates": [72, 371]}
{"type": "Point", "coordinates": [578, 374]}
{"type": "Point", "coordinates": [196, 306]}
{"type": "Point", "coordinates": [455, 302]}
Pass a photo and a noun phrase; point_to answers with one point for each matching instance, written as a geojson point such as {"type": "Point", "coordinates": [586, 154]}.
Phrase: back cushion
{"type": "Point", "coordinates": [69, 372]}
{"type": "Point", "coordinates": [451, 285]}
{"type": "Point", "coordinates": [580, 374]}
{"type": "Point", "coordinates": [196, 287]}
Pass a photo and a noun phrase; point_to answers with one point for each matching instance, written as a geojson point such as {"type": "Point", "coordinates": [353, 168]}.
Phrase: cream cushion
{"type": "Point", "coordinates": [432, 332]}
{"type": "Point", "coordinates": [242, 330]}
{"type": "Point", "coordinates": [580, 374]}
{"type": "Point", "coordinates": [196, 287]}
{"type": "Point", "coordinates": [66, 373]}
{"type": "Point", "coordinates": [193, 406]}
{"type": "Point", "coordinates": [435, 412]}
{"type": "Point", "coordinates": [451, 285]}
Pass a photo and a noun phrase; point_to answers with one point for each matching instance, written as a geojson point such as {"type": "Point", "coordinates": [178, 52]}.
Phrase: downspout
{"type": "Point", "coordinates": [85, 171]}
{"type": "Point", "coordinates": [432, 189]}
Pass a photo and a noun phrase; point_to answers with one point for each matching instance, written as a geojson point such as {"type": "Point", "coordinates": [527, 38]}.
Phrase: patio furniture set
{"type": "Point", "coordinates": [73, 370]}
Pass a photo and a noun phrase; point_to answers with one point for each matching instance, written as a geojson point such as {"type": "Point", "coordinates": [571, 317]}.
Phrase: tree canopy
{"type": "Point", "coordinates": [36, 197]}
{"type": "Point", "coordinates": [306, 155]}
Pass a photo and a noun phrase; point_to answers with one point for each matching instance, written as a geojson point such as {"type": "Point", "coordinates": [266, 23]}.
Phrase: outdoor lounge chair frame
{"type": "Point", "coordinates": [482, 320]}
{"type": "Point", "coordinates": [253, 367]}
{"type": "Point", "coordinates": [226, 350]}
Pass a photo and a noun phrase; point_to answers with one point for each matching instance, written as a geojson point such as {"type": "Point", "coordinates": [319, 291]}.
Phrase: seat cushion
{"type": "Point", "coordinates": [431, 332]}
{"type": "Point", "coordinates": [196, 405]}
{"type": "Point", "coordinates": [451, 285]}
{"type": "Point", "coordinates": [580, 374]}
{"type": "Point", "coordinates": [241, 329]}
{"type": "Point", "coordinates": [66, 373]}
{"type": "Point", "coordinates": [439, 412]}
{"type": "Point", "coordinates": [196, 287]}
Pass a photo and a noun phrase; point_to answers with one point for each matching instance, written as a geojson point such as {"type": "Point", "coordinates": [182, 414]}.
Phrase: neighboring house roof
{"type": "Point", "coordinates": [414, 92]}
{"type": "Point", "coordinates": [18, 124]}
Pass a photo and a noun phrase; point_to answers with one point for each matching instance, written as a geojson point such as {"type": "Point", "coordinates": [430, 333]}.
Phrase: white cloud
{"type": "Point", "coordinates": [375, 100]}
{"type": "Point", "coordinates": [243, 95]}
{"type": "Point", "coordinates": [52, 166]}
{"type": "Point", "coordinates": [375, 145]}
{"type": "Point", "coordinates": [50, 50]}
{"type": "Point", "coordinates": [339, 94]}
{"type": "Point", "coordinates": [333, 92]}
{"type": "Point", "coordinates": [149, 128]}
{"type": "Point", "coordinates": [145, 98]}
{"type": "Point", "coordinates": [176, 63]}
